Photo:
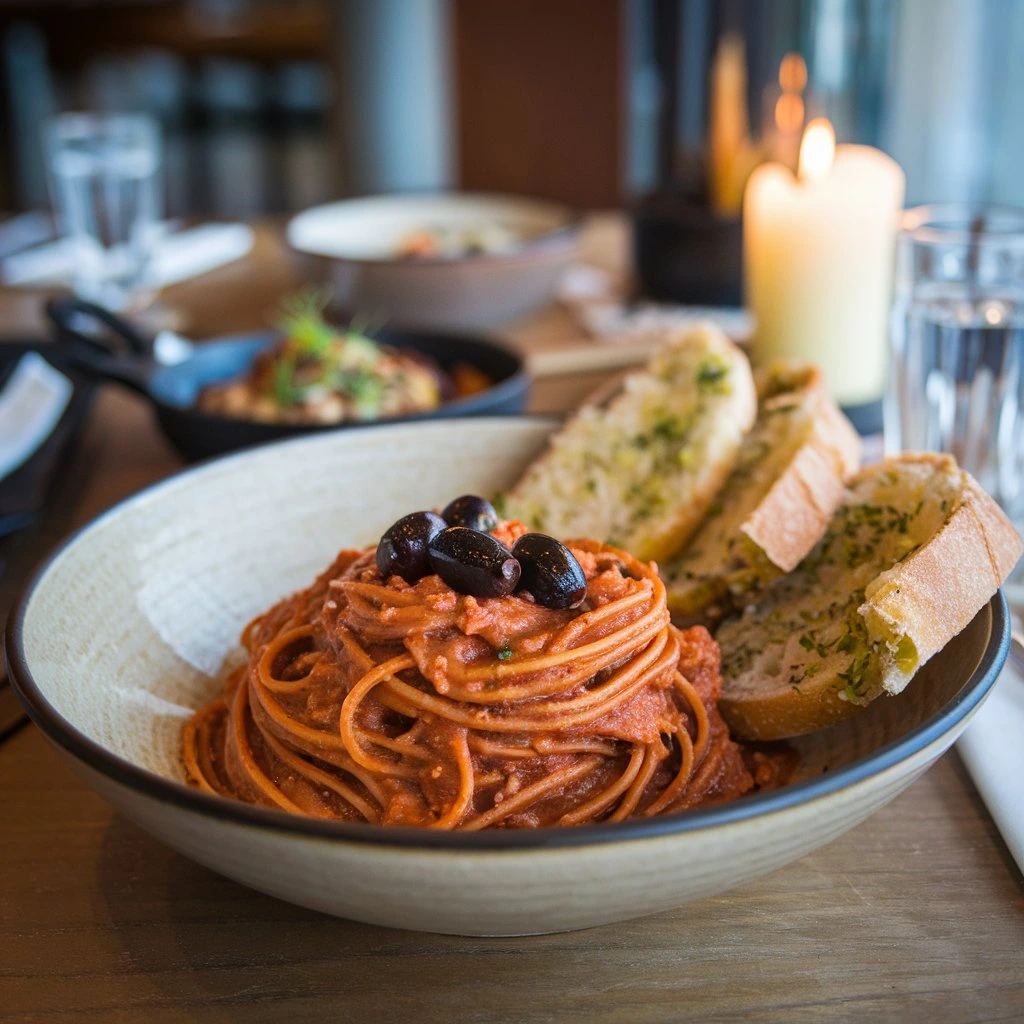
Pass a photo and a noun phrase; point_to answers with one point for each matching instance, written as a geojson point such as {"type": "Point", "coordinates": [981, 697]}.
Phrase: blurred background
{"type": "Point", "coordinates": [269, 106]}
{"type": "Point", "coordinates": [570, 179]}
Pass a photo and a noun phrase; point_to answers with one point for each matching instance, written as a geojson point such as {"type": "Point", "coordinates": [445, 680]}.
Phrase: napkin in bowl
{"type": "Point", "coordinates": [31, 405]}
{"type": "Point", "coordinates": [43, 403]}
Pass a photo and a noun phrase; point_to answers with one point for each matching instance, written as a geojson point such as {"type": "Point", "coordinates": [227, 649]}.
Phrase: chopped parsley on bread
{"type": "Point", "coordinates": [827, 594]}
{"type": "Point", "coordinates": [642, 472]}
{"type": "Point", "coordinates": [913, 552]}
{"type": "Point", "coordinates": [776, 503]}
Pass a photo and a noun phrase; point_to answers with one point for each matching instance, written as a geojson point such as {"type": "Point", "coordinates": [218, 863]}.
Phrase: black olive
{"type": "Point", "coordinates": [472, 511]}
{"type": "Point", "coordinates": [402, 550]}
{"type": "Point", "coordinates": [550, 571]}
{"type": "Point", "coordinates": [474, 563]}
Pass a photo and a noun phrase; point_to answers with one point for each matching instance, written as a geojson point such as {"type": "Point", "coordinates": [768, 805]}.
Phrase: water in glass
{"type": "Point", "coordinates": [105, 180]}
{"type": "Point", "coordinates": [957, 341]}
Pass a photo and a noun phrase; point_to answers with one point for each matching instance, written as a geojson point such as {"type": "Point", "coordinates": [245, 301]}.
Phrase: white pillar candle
{"type": "Point", "coordinates": [818, 259]}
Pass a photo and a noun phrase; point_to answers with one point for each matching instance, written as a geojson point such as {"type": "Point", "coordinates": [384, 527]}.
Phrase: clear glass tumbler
{"type": "Point", "coordinates": [104, 177]}
{"type": "Point", "coordinates": [956, 381]}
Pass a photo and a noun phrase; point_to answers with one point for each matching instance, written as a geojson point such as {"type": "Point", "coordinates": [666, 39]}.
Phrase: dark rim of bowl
{"type": "Point", "coordinates": [64, 735]}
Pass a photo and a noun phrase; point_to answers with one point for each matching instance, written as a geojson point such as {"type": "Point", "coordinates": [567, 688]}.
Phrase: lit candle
{"type": "Point", "coordinates": [818, 256]}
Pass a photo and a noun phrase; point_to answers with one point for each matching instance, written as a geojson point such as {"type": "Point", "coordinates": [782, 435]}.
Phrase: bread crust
{"type": "Point", "coordinates": [794, 512]}
{"type": "Point", "coordinates": [783, 713]}
{"type": "Point", "coordinates": [793, 515]}
{"type": "Point", "coordinates": [930, 596]}
{"type": "Point", "coordinates": [677, 531]}
{"type": "Point", "coordinates": [934, 593]}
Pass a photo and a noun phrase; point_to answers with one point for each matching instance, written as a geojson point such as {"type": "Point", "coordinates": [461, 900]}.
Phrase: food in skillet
{"type": "Point", "coordinates": [319, 373]}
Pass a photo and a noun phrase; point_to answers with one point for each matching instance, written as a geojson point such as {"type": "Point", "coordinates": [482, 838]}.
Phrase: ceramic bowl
{"type": "Point", "coordinates": [352, 244]}
{"type": "Point", "coordinates": [124, 630]}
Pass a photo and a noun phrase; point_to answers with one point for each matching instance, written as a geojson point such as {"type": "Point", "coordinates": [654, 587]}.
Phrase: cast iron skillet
{"type": "Point", "coordinates": [119, 352]}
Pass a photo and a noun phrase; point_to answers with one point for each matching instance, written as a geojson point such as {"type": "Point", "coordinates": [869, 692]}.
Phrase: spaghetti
{"type": "Point", "coordinates": [375, 700]}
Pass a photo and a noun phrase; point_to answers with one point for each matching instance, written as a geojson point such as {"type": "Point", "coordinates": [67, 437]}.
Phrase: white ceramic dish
{"type": "Point", "coordinates": [352, 243]}
{"type": "Point", "coordinates": [124, 630]}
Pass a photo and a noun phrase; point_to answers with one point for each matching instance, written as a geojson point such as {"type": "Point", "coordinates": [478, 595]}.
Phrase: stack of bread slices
{"type": "Point", "coordinates": [827, 586]}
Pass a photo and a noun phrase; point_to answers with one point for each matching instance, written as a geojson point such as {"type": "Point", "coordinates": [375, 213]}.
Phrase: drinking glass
{"type": "Point", "coordinates": [956, 381]}
{"type": "Point", "coordinates": [104, 176]}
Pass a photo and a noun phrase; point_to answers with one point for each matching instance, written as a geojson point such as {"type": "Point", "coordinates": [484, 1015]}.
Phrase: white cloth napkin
{"type": "Point", "coordinates": [613, 322]}
{"type": "Point", "coordinates": [993, 751]}
{"type": "Point", "coordinates": [176, 257]}
{"type": "Point", "coordinates": [31, 404]}
{"type": "Point", "coordinates": [38, 267]}
{"type": "Point", "coordinates": [198, 251]}
{"type": "Point", "coordinates": [595, 299]}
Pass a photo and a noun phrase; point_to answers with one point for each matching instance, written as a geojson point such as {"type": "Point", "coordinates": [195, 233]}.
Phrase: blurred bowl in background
{"type": "Point", "coordinates": [517, 252]}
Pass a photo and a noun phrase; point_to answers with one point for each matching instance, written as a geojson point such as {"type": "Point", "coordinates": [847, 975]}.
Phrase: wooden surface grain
{"type": "Point", "coordinates": [917, 914]}
{"type": "Point", "coordinates": [914, 915]}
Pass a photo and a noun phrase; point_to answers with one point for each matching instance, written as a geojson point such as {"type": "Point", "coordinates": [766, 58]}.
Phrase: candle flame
{"type": "Point", "coordinates": [793, 73]}
{"type": "Point", "coordinates": [817, 150]}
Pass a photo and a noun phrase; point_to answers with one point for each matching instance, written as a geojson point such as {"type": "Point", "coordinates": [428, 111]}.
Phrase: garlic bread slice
{"type": "Point", "coordinates": [641, 472]}
{"type": "Point", "coordinates": [776, 503]}
{"type": "Point", "coordinates": [915, 550]}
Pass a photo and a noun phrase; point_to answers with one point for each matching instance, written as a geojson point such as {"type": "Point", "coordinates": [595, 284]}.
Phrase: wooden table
{"type": "Point", "coordinates": [917, 914]}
